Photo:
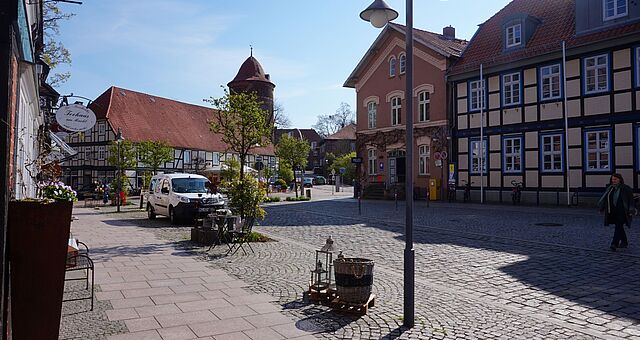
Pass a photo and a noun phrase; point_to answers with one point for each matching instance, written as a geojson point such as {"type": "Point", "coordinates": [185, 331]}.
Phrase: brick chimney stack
{"type": "Point", "coordinates": [449, 32]}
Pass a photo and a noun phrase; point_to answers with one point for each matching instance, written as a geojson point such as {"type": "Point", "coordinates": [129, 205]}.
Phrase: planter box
{"type": "Point", "coordinates": [204, 236]}
{"type": "Point", "coordinates": [38, 240]}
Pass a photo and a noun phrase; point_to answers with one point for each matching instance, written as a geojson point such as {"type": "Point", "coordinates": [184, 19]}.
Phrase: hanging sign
{"type": "Point", "coordinates": [75, 117]}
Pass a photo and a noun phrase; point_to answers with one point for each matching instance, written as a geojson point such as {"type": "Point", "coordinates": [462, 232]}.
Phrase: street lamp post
{"type": "Point", "coordinates": [379, 14]}
{"type": "Point", "coordinates": [119, 140]}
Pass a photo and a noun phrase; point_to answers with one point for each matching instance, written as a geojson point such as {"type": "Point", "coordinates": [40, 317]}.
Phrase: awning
{"type": "Point", "coordinates": [60, 150]}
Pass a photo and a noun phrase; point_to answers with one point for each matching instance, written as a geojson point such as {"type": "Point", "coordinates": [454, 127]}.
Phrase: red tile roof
{"type": "Point", "coordinates": [557, 24]}
{"type": "Point", "coordinates": [346, 133]}
{"type": "Point", "coordinates": [251, 70]}
{"type": "Point", "coordinates": [143, 117]}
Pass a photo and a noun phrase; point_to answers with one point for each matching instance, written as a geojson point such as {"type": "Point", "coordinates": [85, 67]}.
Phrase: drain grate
{"type": "Point", "coordinates": [549, 224]}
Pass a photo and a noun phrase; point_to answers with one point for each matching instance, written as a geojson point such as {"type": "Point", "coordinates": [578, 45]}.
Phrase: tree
{"type": "Point", "coordinates": [280, 118]}
{"type": "Point", "coordinates": [127, 160]}
{"type": "Point", "coordinates": [293, 152]}
{"type": "Point", "coordinates": [285, 172]}
{"type": "Point", "coordinates": [54, 52]}
{"type": "Point", "coordinates": [330, 124]}
{"type": "Point", "coordinates": [154, 153]}
{"type": "Point", "coordinates": [344, 161]}
{"type": "Point", "coordinates": [242, 122]}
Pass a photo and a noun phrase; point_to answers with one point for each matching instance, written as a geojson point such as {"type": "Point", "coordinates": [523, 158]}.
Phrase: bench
{"type": "Point", "coordinates": [577, 194]}
{"type": "Point", "coordinates": [78, 260]}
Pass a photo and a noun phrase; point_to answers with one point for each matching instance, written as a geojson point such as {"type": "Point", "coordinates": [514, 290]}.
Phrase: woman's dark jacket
{"type": "Point", "coordinates": [611, 212]}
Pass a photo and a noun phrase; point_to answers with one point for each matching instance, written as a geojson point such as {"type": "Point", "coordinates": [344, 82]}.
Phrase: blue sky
{"type": "Point", "coordinates": [186, 49]}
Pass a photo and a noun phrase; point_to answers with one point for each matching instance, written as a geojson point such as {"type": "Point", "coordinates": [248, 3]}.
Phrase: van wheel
{"type": "Point", "coordinates": [150, 212]}
{"type": "Point", "coordinates": [172, 216]}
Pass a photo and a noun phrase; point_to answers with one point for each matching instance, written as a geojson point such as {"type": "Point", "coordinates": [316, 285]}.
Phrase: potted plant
{"type": "Point", "coordinates": [38, 233]}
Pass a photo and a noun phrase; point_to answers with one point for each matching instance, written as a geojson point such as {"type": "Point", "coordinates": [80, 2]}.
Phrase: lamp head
{"type": "Point", "coordinates": [379, 13]}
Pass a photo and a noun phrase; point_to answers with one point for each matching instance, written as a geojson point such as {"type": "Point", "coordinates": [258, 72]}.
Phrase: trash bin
{"type": "Point", "coordinates": [307, 192]}
{"type": "Point", "coordinates": [354, 279]}
{"type": "Point", "coordinates": [434, 189]}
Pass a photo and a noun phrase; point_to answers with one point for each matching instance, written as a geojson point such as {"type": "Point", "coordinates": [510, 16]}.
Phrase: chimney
{"type": "Point", "coordinates": [449, 32]}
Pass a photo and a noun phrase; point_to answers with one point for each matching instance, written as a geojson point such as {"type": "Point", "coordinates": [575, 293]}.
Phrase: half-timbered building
{"type": "Point", "coordinates": [142, 117]}
{"type": "Point", "coordinates": [525, 137]}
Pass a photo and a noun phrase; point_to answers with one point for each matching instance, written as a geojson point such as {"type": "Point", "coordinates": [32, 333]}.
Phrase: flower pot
{"type": "Point", "coordinates": [38, 238]}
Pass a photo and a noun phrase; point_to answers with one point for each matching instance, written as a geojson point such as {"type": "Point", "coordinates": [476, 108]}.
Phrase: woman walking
{"type": "Point", "coordinates": [617, 204]}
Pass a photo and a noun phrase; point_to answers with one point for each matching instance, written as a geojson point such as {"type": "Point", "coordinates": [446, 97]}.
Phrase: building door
{"type": "Point", "coordinates": [401, 168]}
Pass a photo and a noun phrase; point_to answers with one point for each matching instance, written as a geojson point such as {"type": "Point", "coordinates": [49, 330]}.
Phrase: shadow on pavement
{"type": "Point", "coordinates": [570, 261]}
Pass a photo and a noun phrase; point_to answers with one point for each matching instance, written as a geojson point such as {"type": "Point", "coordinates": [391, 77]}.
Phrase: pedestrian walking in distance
{"type": "Point", "coordinates": [617, 206]}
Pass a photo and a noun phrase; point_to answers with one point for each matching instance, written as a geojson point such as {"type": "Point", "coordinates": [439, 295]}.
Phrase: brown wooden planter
{"type": "Point", "coordinates": [38, 239]}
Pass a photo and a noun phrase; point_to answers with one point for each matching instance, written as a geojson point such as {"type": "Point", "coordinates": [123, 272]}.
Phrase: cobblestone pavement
{"type": "Point", "coordinates": [481, 272]}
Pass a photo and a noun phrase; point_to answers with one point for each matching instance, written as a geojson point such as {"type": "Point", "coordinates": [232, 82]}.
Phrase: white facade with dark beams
{"type": "Point", "coordinates": [523, 102]}
{"type": "Point", "coordinates": [144, 117]}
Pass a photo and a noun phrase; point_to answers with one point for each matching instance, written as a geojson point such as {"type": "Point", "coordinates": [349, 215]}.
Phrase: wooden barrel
{"type": "Point", "coordinates": [354, 278]}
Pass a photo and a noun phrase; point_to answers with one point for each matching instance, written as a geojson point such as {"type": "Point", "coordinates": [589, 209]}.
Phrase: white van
{"type": "Point", "coordinates": [181, 197]}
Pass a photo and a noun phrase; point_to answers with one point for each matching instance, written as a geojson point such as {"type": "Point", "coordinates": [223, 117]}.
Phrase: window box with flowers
{"type": "Point", "coordinates": [38, 233]}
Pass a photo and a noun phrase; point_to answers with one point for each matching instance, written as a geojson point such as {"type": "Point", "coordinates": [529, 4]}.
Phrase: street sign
{"type": "Point", "coordinates": [444, 154]}
{"type": "Point", "coordinates": [259, 165]}
{"type": "Point", "coordinates": [437, 155]}
{"type": "Point", "coordinates": [343, 170]}
{"type": "Point", "coordinates": [438, 163]}
{"type": "Point", "coordinates": [356, 160]}
{"type": "Point", "coordinates": [333, 172]}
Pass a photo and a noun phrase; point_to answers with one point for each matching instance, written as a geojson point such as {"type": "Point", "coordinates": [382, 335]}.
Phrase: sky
{"type": "Point", "coordinates": [187, 49]}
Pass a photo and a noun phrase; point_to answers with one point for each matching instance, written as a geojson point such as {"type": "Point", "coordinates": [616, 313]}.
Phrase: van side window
{"type": "Point", "coordinates": [153, 185]}
{"type": "Point", "coordinates": [165, 184]}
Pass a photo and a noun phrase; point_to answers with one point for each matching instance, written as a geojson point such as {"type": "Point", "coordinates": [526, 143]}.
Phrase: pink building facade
{"type": "Point", "coordinates": [379, 81]}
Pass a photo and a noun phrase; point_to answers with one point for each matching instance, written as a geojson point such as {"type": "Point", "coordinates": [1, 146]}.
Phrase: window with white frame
{"type": "Point", "coordinates": [101, 128]}
{"type": "Point", "coordinates": [403, 63]}
{"type": "Point", "coordinates": [478, 155]}
{"type": "Point", "coordinates": [550, 82]}
{"type": "Point", "coordinates": [614, 9]}
{"type": "Point", "coordinates": [596, 71]}
{"type": "Point", "coordinates": [511, 89]}
{"type": "Point", "coordinates": [371, 157]}
{"type": "Point", "coordinates": [551, 153]}
{"type": "Point", "coordinates": [314, 145]}
{"type": "Point", "coordinates": [637, 66]}
{"type": "Point", "coordinates": [392, 67]}
{"type": "Point", "coordinates": [476, 95]}
{"type": "Point", "coordinates": [186, 157]}
{"type": "Point", "coordinates": [371, 114]}
{"type": "Point", "coordinates": [423, 163]}
{"type": "Point", "coordinates": [512, 153]}
{"type": "Point", "coordinates": [598, 150]}
{"type": "Point", "coordinates": [102, 153]}
{"type": "Point", "coordinates": [396, 110]}
{"type": "Point", "coordinates": [424, 102]}
{"type": "Point", "coordinates": [514, 35]}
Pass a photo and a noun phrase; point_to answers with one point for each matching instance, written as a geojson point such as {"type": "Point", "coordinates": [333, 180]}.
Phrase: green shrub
{"type": "Point", "coordinates": [281, 182]}
{"type": "Point", "coordinates": [296, 199]}
{"type": "Point", "coordinates": [257, 237]}
{"type": "Point", "coordinates": [272, 199]}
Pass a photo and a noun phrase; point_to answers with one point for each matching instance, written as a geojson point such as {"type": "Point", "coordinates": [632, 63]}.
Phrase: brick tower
{"type": "Point", "coordinates": [251, 77]}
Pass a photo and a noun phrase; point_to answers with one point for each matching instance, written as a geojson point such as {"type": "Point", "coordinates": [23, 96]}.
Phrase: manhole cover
{"type": "Point", "coordinates": [549, 224]}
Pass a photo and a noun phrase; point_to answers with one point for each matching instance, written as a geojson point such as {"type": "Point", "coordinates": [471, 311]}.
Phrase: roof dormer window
{"type": "Point", "coordinates": [514, 35]}
{"type": "Point", "coordinates": [613, 9]}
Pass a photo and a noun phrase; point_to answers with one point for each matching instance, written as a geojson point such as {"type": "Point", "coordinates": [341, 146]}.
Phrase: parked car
{"type": "Point", "coordinates": [181, 197]}
{"type": "Point", "coordinates": [319, 180]}
{"type": "Point", "coordinates": [87, 191]}
{"type": "Point", "coordinates": [308, 182]}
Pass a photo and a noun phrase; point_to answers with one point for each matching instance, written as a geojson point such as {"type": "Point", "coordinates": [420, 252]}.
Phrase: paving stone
{"type": "Point", "coordinates": [185, 318]}
{"type": "Point", "coordinates": [263, 334]}
{"type": "Point", "coordinates": [176, 333]}
{"type": "Point", "coordinates": [141, 324]}
{"type": "Point", "coordinates": [220, 327]}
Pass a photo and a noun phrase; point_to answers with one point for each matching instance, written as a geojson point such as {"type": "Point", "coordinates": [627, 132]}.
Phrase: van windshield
{"type": "Point", "coordinates": [189, 185]}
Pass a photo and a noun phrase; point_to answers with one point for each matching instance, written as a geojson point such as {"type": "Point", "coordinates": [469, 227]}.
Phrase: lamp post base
{"type": "Point", "coordinates": [409, 291]}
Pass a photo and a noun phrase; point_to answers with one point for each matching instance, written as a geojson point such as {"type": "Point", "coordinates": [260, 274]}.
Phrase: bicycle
{"type": "Point", "coordinates": [516, 193]}
{"type": "Point", "coordinates": [467, 191]}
